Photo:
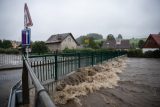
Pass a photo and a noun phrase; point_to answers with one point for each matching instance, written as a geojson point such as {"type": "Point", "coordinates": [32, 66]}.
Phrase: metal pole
{"type": "Point", "coordinates": [101, 57]}
{"type": "Point", "coordinates": [25, 85]}
{"type": "Point", "coordinates": [56, 66]}
{"type": "Point", "coordinates": [79, 61]}
{"type": "Point", "coordinates": [92, 58]}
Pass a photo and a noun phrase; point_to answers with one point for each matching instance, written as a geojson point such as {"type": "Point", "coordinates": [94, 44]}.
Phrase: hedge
{"type": "Point", "coordinates": [9, 51]}
{"type": "Point", "coordinates": [139, 53]}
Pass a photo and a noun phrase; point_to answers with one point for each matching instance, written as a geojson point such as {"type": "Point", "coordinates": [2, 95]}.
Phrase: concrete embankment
{"type": "Point", "coordinates": [10, 67]}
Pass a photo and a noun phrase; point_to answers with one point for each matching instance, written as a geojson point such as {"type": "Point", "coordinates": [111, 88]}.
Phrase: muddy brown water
{"type": "Point", "coordinates": [139, 86]}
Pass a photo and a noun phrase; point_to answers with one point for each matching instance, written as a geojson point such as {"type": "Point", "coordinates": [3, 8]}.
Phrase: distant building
{"type": "Point", "coordinates": [59, 42]}
{"type": "Point", "coordinates": [119, 43]}
{"type": "Point", "coordinates": [15, 44]}
{"type": "Point", "coordinates": [152, 43]}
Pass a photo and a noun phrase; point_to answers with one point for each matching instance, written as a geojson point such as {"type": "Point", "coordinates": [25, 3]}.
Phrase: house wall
{"type": "Point", "coordinates": [149, 49]}
{"type": "Point", "coordinates": [54, 47]}
{"type": "Point", "coordinates": [68, 42]}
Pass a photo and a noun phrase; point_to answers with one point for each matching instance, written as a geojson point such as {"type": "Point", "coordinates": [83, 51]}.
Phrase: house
{"type": "Point", "coordinates": [119, 44]}
{"type": "Point", "coordinates": [15, 44]}
{"type": "Point", "coordinates": [152, 43]}
{"type": "Point", "coordinates": [59, 42]}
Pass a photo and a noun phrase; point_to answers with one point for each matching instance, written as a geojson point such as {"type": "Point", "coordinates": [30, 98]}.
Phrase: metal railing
{"type": "Point", "coordinates": [12, 97]}
{"type": "Point", "coordinates": [42, 98]}
{"type": "Point", "coordinates": [41, 72]}
{"type": "Point", "coordinates": [56, 66]}
{"type": "Point", "coordinates": [10, 59]}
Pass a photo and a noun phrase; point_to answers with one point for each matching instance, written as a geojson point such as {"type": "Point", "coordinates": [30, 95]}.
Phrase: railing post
{"type": "Point", "coordinates": [79, 61]}
{"type": "Point", "coordinates": [25, 85]}
{"type": "Point", "coordinates": [92, 58]}
{"type": "Point", "coordinates": [56, 67]}
{"type": "Point", "coordinates": [101, 57]}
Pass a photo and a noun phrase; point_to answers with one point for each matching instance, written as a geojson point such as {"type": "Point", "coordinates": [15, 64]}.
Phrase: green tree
{"type": "Point", "coordinates": [120, 36]}
{"type": "Point", "coordinates": [6, 44]}
{"type": "Point", "coordinates": [92, 43]}
{"type": "Point", "coordinates": [39, 47]}
{"type": "Point", "coordinates": [1, 44]}
{"type": "Point", "coordinates": [141, 43]}
{"type": "Point", "coordinates": [133, 46]}
{"type": "Point", "coordinates": [110, 37]}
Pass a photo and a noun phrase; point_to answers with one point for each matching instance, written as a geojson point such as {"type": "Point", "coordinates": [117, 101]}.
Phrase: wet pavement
{"type": "Point", "coordinates": [139, 86]}
{"type": "Point", "coordinates": [8, 79]}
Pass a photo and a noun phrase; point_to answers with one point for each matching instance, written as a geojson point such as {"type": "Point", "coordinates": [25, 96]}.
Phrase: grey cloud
{"type": "Point", "coordinates": [131, 18]}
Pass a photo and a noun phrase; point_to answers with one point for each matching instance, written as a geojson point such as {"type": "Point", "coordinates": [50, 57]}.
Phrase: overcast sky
{"type": "Point", "coordinates": [131, 18]}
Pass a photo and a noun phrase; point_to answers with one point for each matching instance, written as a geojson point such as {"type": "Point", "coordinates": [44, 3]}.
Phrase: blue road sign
{"type": "Point", "coordinates": [26, 37]}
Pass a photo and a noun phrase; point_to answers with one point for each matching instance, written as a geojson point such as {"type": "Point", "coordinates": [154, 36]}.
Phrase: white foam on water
{"type": "Point", "coordinates": [107, 78]}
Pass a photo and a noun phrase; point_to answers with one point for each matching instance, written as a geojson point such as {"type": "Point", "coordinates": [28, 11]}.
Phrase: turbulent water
{"type": "Point", "coordinates": [88, 80]}
{"type": "Point", "coordinates": [107, 86]}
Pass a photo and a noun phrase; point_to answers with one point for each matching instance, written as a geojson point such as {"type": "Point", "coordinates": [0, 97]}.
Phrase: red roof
{"type": "Point", "coordinates": [153, 41]}
{"type": "Point", "coordinates": [156, 37]}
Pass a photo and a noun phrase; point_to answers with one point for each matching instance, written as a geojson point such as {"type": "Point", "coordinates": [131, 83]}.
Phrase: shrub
{"type": "Point", "coordinates": [88, 50]}
{"type": "Point", "coordinates": [152, 54]}
{"type": "Point", "coordinates": [139, 53]}
{"type": "Point", "coordinates": [9, 51]}
{"type": "Point", "coordinates": [135, 53]}
{"type": "Point", "coordinates": [39, 47]}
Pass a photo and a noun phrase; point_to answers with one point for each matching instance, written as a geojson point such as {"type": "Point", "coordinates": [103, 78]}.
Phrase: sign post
{"type": "Point", "coordinates": [26, 42]}
{"type": "Point", "coordinates": [26, 32]}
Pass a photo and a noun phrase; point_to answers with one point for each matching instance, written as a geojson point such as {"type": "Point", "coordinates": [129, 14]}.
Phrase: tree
{"type": "Point", "coordinates": [89, 42]}
{"type": "Point", "coordinates": [95, 36]}
{"type": "Point", "coordinates": [120, 36]}
{"type": "Point", "coordinates": [141, 43]}
{"type": "Point", "coordinates": [1, 44]}
{"type": "Point", "coordinates": [39, 47]}
{"type": "Point", "coordinates": [110, 37]}
{"type": "Point", "coordinates": [6, 44]}
{"type": "Point", "coordinates": [92, 43]}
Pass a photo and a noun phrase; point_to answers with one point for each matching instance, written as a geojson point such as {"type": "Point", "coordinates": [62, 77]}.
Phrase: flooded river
{"type": "Point", "coordinates": [139, 86]}
{"type": "Point", "coordinates": [8, 78]}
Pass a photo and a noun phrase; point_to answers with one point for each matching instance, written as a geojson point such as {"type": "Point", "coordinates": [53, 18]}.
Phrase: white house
{"type": "Point", "coordinates": [59, 42]}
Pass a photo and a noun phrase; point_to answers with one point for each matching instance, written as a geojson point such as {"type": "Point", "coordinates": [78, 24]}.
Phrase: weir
{"type": "Point", "coordinates": [41, 73]}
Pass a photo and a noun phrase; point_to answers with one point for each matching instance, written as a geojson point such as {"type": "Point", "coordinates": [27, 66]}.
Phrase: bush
{"type": "Point", "coordinates": [88, 50]}
{"type": "Point", "coordinates": [9, 51]}
{"type": "Point", "coordinates": [39, 47]}
{"type": "Point", "coordinates": [139, 53]}
{"type": "Point", "coordinates": [66, 50]}
{"type": "Point", "coordinates": [152, 54]}
{"type": "Point", "coordinates": [135, 53]}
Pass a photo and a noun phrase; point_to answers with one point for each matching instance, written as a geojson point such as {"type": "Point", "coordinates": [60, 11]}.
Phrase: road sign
{"type": "Point", "coordinates": [26, 37]}
{"type": "Point", "coordinates": [27, 17]}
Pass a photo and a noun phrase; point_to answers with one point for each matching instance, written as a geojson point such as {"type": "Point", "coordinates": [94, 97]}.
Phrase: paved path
{"type": "Point", "coordinates": [8, 79]}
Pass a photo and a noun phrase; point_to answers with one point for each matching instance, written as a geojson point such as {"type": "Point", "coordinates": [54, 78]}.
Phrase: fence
{"type": "Point", "coordinates": [49, 68]}
{"type": "Point", "coordinates": [41, 96]}
{"type": "Point", "coordinates": [41, 71]}
{"type": "Point", "coordinates": [10, 59]}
